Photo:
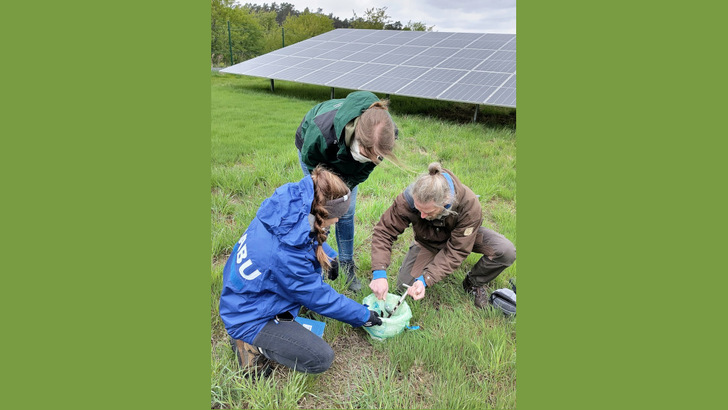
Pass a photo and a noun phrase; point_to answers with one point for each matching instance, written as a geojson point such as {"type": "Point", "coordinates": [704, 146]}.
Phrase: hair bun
{"type": "Point", "coordinates": [434, 168]}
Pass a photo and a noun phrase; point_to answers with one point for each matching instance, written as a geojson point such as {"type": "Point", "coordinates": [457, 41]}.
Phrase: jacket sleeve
{"type": "Point", "coordinates": [330, 252]}
{"type": "Point", "coordinates": [460, 244]}
{"type": "Point", "coordinates": [298, 281]}
{"type": "Point", "coordinates": [393, 223]}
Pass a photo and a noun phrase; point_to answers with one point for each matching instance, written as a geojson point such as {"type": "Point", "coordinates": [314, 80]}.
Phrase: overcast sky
{"type": "Point", "coordinates": [461, 16]}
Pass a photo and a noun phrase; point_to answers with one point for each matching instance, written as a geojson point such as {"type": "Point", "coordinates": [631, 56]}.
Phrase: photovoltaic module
{"type": "Point", "coordinates": [477, 68]}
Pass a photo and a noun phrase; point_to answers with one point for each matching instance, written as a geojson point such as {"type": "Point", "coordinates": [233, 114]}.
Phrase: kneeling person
{"type": "Point", "coordinates": [277, 266]}
{"type": "Point", "coordinates": [446, 217]}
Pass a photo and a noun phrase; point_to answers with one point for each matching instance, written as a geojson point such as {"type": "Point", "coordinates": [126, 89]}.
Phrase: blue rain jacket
{"type": "Point", "coordinates": [273, 268]}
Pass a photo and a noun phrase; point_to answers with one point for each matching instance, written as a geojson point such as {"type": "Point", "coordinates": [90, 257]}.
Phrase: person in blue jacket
{"type": "Point", "coordinates": [277, 266]}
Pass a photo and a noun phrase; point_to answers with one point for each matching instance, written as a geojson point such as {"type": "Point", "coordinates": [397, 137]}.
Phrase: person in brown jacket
{"type": "Point", "coordinates": [446, 217]}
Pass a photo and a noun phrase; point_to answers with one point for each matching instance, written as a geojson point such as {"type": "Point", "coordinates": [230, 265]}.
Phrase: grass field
{"type": "Point", "coordinates": [461, 357]}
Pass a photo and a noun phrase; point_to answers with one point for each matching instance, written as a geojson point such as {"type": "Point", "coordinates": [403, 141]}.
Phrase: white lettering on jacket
{"type": "Point", "coordinates": [242, 254]}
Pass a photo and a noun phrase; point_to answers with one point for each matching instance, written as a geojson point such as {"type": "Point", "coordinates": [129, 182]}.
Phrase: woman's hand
{"type": "Point", "coordinates": [380, 287]}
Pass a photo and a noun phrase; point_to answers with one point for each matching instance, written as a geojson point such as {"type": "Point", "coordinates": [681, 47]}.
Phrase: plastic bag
{"type": "Point", "coordinates": [391, 326]}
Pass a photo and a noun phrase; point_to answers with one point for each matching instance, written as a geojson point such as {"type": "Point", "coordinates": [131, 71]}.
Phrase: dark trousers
{"type": "Point", "coordinates": [498, 254]}
{"type": "Point", "coordinates": [294, 346]}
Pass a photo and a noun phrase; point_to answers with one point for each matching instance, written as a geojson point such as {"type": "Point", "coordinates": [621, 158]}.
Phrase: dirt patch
{"type": "Point", "coordinates": [419, 376]}
{"type": "Point", "coordinates": [336, 384]}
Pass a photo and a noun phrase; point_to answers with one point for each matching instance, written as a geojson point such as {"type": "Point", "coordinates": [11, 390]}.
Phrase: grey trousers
{"type": "Point", "coordinates": [294, 346]}
{"type": "Point", "coordinates": [489, 243]}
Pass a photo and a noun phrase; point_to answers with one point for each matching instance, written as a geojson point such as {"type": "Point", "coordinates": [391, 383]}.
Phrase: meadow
{"type": "Point", "coordinates": [461, 357]}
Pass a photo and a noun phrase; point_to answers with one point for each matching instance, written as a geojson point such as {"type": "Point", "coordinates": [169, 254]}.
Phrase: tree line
{"type": "Point", "coordinates": [252, 30]}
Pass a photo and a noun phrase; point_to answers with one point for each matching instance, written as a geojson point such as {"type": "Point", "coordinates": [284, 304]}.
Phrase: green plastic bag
{"type": "Point", "coordinates": [391, 326]}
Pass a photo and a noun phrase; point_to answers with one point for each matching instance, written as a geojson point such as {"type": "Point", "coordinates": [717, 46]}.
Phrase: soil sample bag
{"type": "Point", "coordinates": [391, 326]}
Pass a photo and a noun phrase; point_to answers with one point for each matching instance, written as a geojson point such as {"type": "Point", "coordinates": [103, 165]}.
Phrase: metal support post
{"type": "Point", "coordinates": [230, 43]}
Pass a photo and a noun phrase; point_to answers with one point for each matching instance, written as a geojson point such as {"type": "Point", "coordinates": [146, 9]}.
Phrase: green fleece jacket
{"type": "Point", "coordinates": [321, 136]}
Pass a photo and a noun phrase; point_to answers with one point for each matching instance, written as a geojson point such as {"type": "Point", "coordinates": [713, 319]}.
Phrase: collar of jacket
{"type": "Point", "coordinates": [452, 188]}
{"type": "Point", "coordinates": [349, 131]}
{"type": "Point", "coordinates": [352, 107]}
{"type": "Point", "coordinates": [344, 152]}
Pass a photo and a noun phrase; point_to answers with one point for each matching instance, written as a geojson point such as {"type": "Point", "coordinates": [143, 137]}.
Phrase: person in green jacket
{"type": "Point", "coordinates": [350, 137]}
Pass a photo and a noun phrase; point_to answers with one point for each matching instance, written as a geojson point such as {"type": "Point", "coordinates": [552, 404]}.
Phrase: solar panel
{"type": "Point", "coordinates": [477, 68]}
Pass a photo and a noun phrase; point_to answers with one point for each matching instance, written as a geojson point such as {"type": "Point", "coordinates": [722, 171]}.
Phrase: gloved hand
{"type": "Point", "coordinates": [334, 269]}
{"type": "Point", "coordinates": [374, 319]}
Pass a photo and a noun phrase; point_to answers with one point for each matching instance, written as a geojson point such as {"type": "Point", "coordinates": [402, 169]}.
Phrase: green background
{"type": "Point", "coordinates": [106, 224]}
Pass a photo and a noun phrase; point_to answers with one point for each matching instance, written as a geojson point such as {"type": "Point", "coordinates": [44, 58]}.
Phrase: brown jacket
{"type": "Point", "coordinates": [451, 238]}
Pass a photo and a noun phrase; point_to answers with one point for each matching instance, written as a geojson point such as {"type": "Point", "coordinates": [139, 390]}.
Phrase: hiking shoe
{"type": "Point", "coordinates": [349, 269]}
{"type": "Point", "coordinates": [480, 292]}
{"type": "Point", "coordinates": [481, 296]}
{"type": "Point", "coordinates": [250, 359]}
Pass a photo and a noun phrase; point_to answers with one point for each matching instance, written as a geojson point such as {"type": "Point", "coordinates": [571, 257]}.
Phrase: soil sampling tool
{"type": "Point", "coordinates": [399, 302]}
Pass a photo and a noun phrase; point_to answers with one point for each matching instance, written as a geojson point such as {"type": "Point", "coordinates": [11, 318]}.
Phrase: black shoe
{"type": "Point", "coordinates": [349, 269]}
{"type": "Point", "coordinates": [467, 284]}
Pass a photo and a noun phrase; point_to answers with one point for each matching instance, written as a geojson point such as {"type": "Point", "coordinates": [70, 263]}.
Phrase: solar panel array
{"type": "Point", "coordinates": [475, 68]}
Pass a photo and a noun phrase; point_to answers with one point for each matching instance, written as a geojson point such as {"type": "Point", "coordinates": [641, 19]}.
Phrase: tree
{"type": "Point", "coordinates": [338, 23]}
{"type": "Point", "coordinates": [266, 20]}
{"type": "Point", "coordinates": [305, 26]}
{"type": "Point", "coordinates": [256, 29]}
{"type": "Point", "coordinates": [245, 32]}
{"type": "Point", "coordinates": [417, 26]}
{"type": "Point", "coordinates": [394, 26]}
{"type": "Point", "coordinates": [285, 10]}
{"type": "Point", "coordinates": [271, 30]}
{"type": "Point", "coordinates": [374, 18]}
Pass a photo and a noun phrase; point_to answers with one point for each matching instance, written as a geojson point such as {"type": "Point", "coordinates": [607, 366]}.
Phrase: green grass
{"type": "Point", "coordinates": [461, 357]}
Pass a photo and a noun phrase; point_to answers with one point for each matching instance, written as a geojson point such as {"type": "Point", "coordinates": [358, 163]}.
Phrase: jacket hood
{"type": "Point", "coordinates": [354, 104]}
{"type": "Point", "coordinates": [285, 213]}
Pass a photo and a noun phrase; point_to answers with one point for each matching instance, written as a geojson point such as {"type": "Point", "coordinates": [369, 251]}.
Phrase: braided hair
{"type": "Point", "coordinates": [326, 186]}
